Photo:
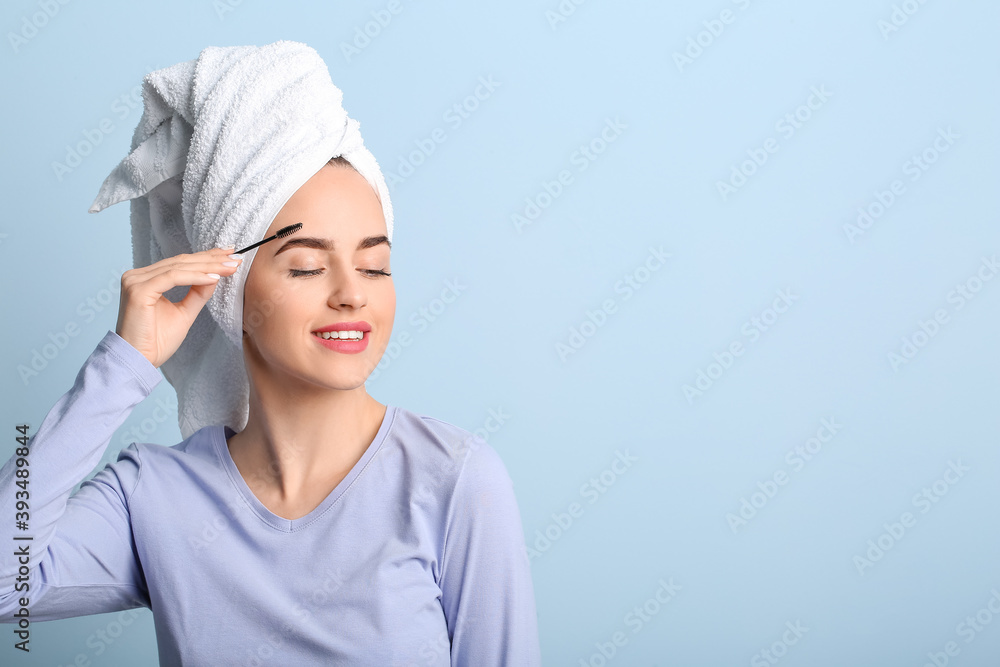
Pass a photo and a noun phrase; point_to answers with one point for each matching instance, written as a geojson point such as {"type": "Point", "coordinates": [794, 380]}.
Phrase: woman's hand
{"type": "Point", "coordinates": [152, 323]}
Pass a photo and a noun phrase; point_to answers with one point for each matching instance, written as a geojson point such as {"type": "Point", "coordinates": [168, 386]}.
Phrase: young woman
{"type": "Point", "coordinates": [331, 530]}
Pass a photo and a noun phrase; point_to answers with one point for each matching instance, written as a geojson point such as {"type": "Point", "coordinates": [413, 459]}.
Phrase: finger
{"type": "Point", "coordinates": [153, 287]}
{"type": "Point", "coordinates": [195, 299]}
{"type": "Point", "coordinates": [214, 255]}
{"type": "Point", "coordinates": [208, 265]}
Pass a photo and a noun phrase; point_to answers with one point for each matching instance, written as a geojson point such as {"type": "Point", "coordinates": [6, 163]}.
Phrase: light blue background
{"type": "Point", "coordinates": [495, 347]}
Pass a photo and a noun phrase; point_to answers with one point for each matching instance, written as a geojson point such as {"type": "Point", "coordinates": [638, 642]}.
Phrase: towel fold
{"type": "Point", "coordinates": [223, 142]}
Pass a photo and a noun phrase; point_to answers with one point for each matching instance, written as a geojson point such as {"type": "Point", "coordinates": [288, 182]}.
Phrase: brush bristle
{"type": "Point", "coordinates": [290, 229]}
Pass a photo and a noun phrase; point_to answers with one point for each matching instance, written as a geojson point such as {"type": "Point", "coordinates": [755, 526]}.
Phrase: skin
{"type": "Point", "coordinates": [311, 418]}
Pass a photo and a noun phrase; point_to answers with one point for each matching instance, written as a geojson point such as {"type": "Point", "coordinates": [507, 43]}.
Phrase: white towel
{"type": "Point", "coordinates": [223, 142]}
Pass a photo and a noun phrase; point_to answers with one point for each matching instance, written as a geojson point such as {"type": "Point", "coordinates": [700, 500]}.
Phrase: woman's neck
{"type": "Point", "coordinates": [294, 453]}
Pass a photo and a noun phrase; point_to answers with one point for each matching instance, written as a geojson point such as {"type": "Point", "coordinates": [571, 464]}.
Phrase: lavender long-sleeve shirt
{"type": "Point", "coordinates": [416, 558]}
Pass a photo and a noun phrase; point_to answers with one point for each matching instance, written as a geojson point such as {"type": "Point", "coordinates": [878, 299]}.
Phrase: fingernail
{"type": "Point", "coordinates": [234, 256]}
{"type": "Point", "coordinates": [214, 275]}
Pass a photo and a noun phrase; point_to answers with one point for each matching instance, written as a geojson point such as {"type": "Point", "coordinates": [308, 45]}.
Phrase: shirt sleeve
{"type": "Point", "coordinates": [487, 591]}
{"type": "Point", "coordinates": [81, 557]}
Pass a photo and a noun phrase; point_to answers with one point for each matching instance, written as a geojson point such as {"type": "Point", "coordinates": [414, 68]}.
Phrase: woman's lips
{"type": "Point", "coordinates": [344, 345]}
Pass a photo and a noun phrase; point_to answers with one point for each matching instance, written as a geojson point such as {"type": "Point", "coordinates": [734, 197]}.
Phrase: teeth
{"type": "Point", "coordinates": [342, 335]}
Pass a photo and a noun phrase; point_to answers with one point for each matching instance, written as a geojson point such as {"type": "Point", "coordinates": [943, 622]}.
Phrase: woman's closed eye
{"type": "Point", "coordinates": [298, 273]}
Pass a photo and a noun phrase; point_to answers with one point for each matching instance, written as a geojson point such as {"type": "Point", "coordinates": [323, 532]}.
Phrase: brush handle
{"type": "Point", "coordinates": [251, 247]}
{"type": "Point", "coordinates": [284, 231]}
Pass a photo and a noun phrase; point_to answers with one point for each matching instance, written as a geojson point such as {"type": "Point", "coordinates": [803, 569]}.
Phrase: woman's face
{"type": "Point", "coordinates": [328, 272]}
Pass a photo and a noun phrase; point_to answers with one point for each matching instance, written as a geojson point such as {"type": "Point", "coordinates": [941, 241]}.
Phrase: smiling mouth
{"type": "Point", "coordinates": [354, 341]}
{"type": "Point", "coordinates": [340, 335]}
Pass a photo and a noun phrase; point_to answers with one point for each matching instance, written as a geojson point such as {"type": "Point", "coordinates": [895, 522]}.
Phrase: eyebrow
{"type": "Point", "coordinates": [328, 245]}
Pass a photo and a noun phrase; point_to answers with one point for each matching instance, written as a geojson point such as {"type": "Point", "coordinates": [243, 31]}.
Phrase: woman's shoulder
{"type": "Point", "coordinates": [417, 427]}
{"type": "Point", "coordinates": [448, 446]}
{"type": "Point", "coordinates": [462, 471]}
{"type": "Point", "coordinates": [199, 445]}
{"type": "Point", "coordinates": [146, 464]}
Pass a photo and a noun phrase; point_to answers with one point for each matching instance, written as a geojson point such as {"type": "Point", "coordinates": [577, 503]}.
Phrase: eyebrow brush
{"type": "Point", "coordinates": [281, 233]}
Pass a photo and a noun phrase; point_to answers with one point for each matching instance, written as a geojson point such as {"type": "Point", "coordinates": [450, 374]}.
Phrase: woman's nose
{"type": "Point", "coordinates": [346, 288]}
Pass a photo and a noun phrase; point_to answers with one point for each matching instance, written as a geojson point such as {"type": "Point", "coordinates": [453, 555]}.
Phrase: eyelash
{"type": "Point", "coordinates": [296, 273]}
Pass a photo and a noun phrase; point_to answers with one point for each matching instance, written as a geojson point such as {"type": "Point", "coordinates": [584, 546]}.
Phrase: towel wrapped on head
{"type": "Point", "coordinates": [223, 142]}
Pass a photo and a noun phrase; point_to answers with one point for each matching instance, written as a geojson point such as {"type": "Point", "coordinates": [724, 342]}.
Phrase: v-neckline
{"type": "Point", "coordinates": [221, 435]}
